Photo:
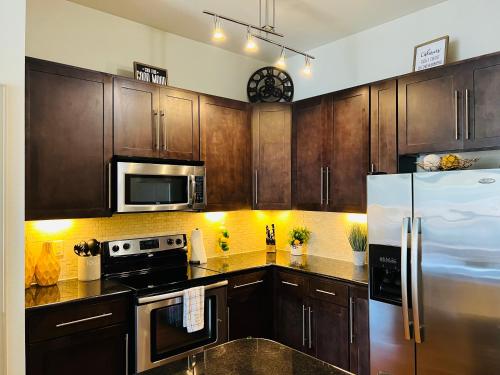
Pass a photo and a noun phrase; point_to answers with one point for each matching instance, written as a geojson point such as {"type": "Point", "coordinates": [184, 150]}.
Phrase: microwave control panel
{"type": "Point", "coordinates": [199, 190]}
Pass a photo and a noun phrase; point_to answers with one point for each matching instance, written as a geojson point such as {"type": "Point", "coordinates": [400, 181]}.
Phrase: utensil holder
{"type": "Point", "coordinates": [89, 268]}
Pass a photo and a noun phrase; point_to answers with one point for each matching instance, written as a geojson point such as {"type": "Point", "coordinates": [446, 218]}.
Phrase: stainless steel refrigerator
{"type": "Point", "coordinates": [434, 260]}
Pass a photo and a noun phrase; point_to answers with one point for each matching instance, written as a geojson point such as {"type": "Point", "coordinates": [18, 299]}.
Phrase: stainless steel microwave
{"type": "Point", "coordinates": [146, 185]}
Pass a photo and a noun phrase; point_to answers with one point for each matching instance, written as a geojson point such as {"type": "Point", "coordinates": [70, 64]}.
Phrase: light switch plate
{"type": "Point", "coordinates": [58, 247]}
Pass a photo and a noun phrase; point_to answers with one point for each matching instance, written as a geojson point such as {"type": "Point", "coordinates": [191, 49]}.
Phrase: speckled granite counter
{"type": "Point", "coordinates": [250, 357]}
{"type": "Point", "coordinates": [321, 266]}
{"type": "Point", "coordinates": [71, 290]}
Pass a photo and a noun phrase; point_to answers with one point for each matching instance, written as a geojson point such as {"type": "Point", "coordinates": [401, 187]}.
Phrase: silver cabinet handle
{"type": "Point", "coordinates": [163, 130]}
{"type": "Point", "coordinates": [248, 284]}
{"type": "Point", "coordinates": [321, 184]}
{"type": "Point", "coordinates": [83, 320]}
{"type": "Point", "coordinates": [405, 228]}
{"type": "Point", "coordinates": [126, 354]}
{"type": "Point", "coordinates": [327, 185]}
{"type": "Point", "coordinates": [466, 113]}
{"type": "Point", "coordinates": [310, 328]}
{"type": "Point", "coordinates": [415, 279]}
{"type": "Point", "coordinates": [303, 325]}
{"type": "Point", "coordinates": [228, 324]}
{"type": "Point", "coordinates": [109, 185]}
{"type": "Point", "coordinates": [156, 135]}
{"type": "Point", "coordinates": [372, 168]}
{"type": "Point", "coordinates": [325, 292]}
{"type": "Point", "coordinates": [288, 283]}
{"type": "Point", "coordinates": [456, 115]}
{"type": "Point", "coordinates": [256, 187]}
{"type": "Point", "coordinates": [351, 320]}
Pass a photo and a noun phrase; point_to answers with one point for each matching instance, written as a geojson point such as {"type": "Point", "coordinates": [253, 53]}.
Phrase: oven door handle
{"type": "Point", "coordinates": [180, 293]}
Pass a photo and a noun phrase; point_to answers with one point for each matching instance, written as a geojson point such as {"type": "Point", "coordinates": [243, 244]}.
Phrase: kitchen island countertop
{"type": "Point", "coordinates": [249, 357]}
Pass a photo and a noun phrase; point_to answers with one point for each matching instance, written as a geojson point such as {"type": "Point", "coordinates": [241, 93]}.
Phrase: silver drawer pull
{"type": "Point", "coordinates": [325, 292]}
{"type": "Point", "coordinates": [287, 283]}
{"type": "Point", "coordinates": [247, 284]}
{"type": "Point", "coordinates": [83, 320]}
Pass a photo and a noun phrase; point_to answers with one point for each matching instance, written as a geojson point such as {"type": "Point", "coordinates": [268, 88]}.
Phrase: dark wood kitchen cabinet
{"type": "Point", "coordinates": [154, 121]}
{"type": "Point", "coordinates": [348, 151]}
{"type": "Point", "coordinates": [383, 127]}
{"type": "Point", "coordinates": [62, 340]}
{"type": "Point", "coordinates": [250, 305]}
{"type": "Point", "coordinates": [271, 141]}
{"type": "Point", "coordinates": [430, 111]}
{"type": "Point", "coordinates": [226, 150]}
{"type": "Point", "coordinates": [310, 118]}
{"type": "Point", "coordinates": [68, 141]}
{"type": "Point", "coordinates": [359, 335]}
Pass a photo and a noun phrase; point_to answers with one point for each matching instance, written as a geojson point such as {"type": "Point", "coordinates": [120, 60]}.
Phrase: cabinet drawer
{"type": "Point", "coordinates": [246, 282]}
{"type": "Point", "coordinates": [329, 291]}
{"type": "Point", "coordinates": [291, 283]}
{"type": "Point", "coordinates": [52, 322]}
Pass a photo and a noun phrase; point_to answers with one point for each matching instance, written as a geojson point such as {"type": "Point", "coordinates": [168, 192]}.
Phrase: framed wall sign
{"type": "Point", "coordinates": [152, 74]}
{"type": "Point", "coordinates": [430, 54]}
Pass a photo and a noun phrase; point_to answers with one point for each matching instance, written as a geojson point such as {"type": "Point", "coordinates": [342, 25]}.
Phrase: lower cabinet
{"type": "Point", "coordinates": [79, 338]}
{"type": "Point", "coordinates": [249, 305]}
{"type": "Point", "coordinates": [359, 339]}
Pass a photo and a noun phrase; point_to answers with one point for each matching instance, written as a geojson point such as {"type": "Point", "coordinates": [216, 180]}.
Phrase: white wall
{"type": "Point", "coordinates": [66, 32]}
{"type": "Point", "coordinates": [387, 50]}
{"type": "Point", "coordinates": [12, 32]}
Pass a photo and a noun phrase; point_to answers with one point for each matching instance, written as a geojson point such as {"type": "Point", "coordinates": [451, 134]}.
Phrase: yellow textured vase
{"type": "Point", "coordinates": [47, 268]}
{"type": "Point", "coordinates": [29, 267]}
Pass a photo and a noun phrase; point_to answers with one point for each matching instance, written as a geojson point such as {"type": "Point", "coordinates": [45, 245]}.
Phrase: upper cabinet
{"type": "Point", "coordinates": [348, 137]}
{"type": "Point", "coordinates": [383, 127]}
{"type": "Point", "coordinates": [271, 140]}
{"type": "Point", "coordinates": [68, 141]}
{"type": "Point", "coordinates": [153, 121]}
{"type": "Point", "coordinates": [226, 150]}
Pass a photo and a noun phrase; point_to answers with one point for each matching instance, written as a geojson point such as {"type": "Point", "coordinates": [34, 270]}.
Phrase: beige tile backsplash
{"type": "Point", "coordinates": [246, 229]}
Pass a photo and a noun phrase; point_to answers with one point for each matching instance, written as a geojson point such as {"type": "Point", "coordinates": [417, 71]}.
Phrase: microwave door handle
{"type": "Point", "coordinates": [416, 298]}
{"type": "Point", "coordinates": [405, 228]}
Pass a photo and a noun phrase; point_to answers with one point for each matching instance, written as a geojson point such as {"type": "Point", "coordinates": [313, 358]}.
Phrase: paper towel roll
{"type": "Point", "coordinates": [198, 253]}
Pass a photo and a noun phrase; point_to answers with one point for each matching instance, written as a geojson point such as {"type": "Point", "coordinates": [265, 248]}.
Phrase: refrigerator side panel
{"type": "Point", "coordinates": [459, 270]}
{"type": "Point", "coordinates": [389, 201]}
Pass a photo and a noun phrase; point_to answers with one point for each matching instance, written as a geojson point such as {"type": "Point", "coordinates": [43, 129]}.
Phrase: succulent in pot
{"type": "Point", "coordinates": [298, 237]}
{"type": "Point", "coordinates": [358, 239]}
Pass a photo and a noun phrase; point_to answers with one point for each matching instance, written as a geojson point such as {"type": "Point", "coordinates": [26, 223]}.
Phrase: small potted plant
{"type": "Point", "coordinates": [358, 238]}
{"type": "Point", "coordinates": [298, 237]}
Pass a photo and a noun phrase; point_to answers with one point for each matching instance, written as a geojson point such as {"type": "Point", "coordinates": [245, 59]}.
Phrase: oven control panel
{"type": "Point", "coordinates": [146, 245]}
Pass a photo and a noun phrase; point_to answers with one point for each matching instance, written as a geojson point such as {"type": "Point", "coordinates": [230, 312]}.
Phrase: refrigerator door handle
{"type": "Point", "coordinates": [416, 232]}
{"type": "Point", "coordinates": [405, 229]}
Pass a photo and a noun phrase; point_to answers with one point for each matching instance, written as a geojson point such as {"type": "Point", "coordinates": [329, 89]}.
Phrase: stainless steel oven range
{"type": "Point", "coordinates": [156, 268]}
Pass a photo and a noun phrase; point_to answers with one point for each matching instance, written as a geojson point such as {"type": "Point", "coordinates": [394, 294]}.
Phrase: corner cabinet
{"type": "Point", "coordinates": [271, 142]}
{"type": "Point", "coordinates": [155, 121]}
{"type": "Point", "coordinates": [68, 141]}
{"type": "Point", "coordinates": [226, 150]}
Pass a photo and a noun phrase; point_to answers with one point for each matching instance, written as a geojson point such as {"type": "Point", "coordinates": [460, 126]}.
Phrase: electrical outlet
{"type": "Point", "coordinates": [58, 247]}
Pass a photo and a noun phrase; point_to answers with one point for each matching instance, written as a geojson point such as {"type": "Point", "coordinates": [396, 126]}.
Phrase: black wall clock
{"type": "Point", "coordinates": [270, 84]}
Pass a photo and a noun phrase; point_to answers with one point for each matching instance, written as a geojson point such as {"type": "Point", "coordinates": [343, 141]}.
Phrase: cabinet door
{"type": "Point", "coordinates": [481, 103]}
{"type": "Point", "coordinates": [359, 339]}
{"type": "Point", "coordinates": [271, 139]}
{"type": "Point", "coordinates": [383, 127]}
{"type": "Point", "coordinates": [102, 351]}
{"type": "Point", "coordinates": [249, 306]}
{"type": "Point", "coordinates": [349, 150]}
{"type": "Point", "coordinates": [136, 118]}
{"type": "Point", "coordinates": [68, 141]}
{"type": "Point", "coordinates": [429, 105]}
{"type": "Point", "coordinates": [309, 119]}
{"type": "Point", "coordinates": [291, 310]}
{"type": "Point", "coordinates": [330, 333]}
{"type": "Point", "coordinates": [179, 123]}
{"type": "Point", "coordinates": [225, 148]}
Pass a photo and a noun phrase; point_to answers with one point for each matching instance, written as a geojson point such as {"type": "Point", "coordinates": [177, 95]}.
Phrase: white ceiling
{"type": "Point", "coordinates": [306, 23]}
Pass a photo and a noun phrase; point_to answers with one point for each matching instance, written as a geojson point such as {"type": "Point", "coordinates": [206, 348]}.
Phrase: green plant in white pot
{"type": "Point", "coordinates": [299, 236]}
{"type": "Point", "coordinates": [358, 239]}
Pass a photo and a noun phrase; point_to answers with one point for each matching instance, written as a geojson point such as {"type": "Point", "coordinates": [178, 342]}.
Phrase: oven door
{"type": "Point", "coordinates": [142, 187]}
{"type": "Point", "coordinates": [160, 336]}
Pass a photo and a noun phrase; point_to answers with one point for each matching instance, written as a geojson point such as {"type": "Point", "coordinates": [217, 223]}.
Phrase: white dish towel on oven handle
{"type": "Point", "coordinates": [194, 309]}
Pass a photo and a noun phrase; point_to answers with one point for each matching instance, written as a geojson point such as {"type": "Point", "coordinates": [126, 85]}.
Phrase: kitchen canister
{"type": "Point", "coordinates": [89, 260]}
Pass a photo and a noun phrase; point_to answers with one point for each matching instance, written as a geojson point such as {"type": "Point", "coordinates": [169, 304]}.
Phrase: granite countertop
{"type": "Point", "coordinates": [71, 290]}
{"type": "Point", "coordinates": [312, 264]}
{"type": "Point", "coordinates": [249, 357]}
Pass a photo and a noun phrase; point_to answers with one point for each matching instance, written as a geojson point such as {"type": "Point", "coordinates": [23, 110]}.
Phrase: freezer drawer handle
{"type": "Point", "coordinates": [405, 228]}
{"type": "Point", "coordinates": [83, 320]}
{"type": "Point", "coordinates": [415, 280]}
